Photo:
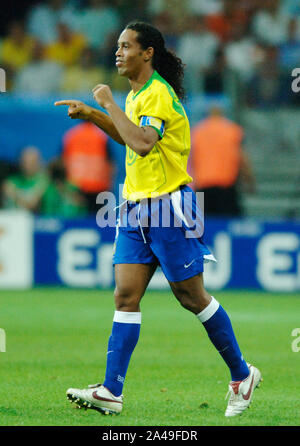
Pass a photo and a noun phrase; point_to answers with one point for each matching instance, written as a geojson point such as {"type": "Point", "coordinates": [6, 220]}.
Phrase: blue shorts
{"type": "Point", "coordinates": [167, 230]}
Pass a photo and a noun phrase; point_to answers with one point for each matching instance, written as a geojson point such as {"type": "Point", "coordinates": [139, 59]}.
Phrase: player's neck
{"type": "Point", "coordinates": [140, 80]}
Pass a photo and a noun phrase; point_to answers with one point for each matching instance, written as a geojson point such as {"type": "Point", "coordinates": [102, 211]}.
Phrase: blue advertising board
{"type": "Point", "coordinates": [250, 253]}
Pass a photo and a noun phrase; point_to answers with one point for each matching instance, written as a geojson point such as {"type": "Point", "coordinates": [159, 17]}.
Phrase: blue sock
{"type": "Point", "coordinates": [123, 339]}
{"type": "Point", "coordinates": [220, 332]}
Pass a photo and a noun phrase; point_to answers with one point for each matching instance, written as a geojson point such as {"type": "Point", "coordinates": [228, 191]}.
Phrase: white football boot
{"type": "Point", "coordinates": [241, 392]}
{"type": "Point", "coordinates": [96, 397]}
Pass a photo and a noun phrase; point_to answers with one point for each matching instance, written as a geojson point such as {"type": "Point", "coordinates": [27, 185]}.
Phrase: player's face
{"type": "Point", "coordinates": [130, 57]}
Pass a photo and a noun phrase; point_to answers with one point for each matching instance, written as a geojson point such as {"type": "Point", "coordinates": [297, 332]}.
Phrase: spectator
{"type": "Point", "coordinates": [270, 25]}
{"type": "Point", "coordinates": [197, 61]}
{"type": "Point", "coordinates": [6, 169]}
{"type": "Point", "coordinates": [25, 189]}
{"type": "Point", "coordinates": [217, 160]}
{"type": "Point", "coordinates": [40, 76]}
{"type": "Point", "coordinates": [17, 47]}
{"type": "Point", "coordinates": [224, 22]}
{"type": "Point", "coordinates": [268, 87]}
{"type": "Point", "coordinates": [44, 17]}
{"type": "Point", "coordinates": [98, 22]}
{"type": "Point", "coordinates": [177, 9]}
{"type": "Point", "coordinates": [83, 77]}
{"type": "Point", "coordinates": [241, 53]}
{"type": "Point", "coordinates": [68, 48]}
{"type": "Point", "coordinates": [164, 23]}
{"type": "Point", "coordinates": [214, 81]}
{"type": "Point", "coordinates": [140, 9]}
{"type": "Point", "coordinates": [61, 198]}
{"type": "Point", "coordinates": [290, 7]}
{"type": "Point", "coordinates": [289, 51]}
{"type": "Point", "coordinates": [248, 7]}
{"type": "Point", "coordinates": [205, 7]}
{"type": "Point", "coordinates": [86, 160]}
{"type": "Point", "coordinates": [157, 6]}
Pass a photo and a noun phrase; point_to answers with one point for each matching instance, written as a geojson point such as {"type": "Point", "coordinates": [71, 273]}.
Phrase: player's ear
{"type": "Point", "coordinates": [149, 52]}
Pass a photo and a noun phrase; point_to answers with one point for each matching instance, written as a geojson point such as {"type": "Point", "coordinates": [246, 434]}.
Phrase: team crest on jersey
{"type": "Point", "coordinates": [131, 156]}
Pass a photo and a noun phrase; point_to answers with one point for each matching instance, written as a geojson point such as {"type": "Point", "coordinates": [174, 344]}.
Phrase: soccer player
{"type": "Point", "coordinates": [156, 133]}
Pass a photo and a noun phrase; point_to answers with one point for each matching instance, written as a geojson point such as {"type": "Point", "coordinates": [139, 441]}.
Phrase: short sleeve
{"type": "Point", "coordinates": [154, 112]}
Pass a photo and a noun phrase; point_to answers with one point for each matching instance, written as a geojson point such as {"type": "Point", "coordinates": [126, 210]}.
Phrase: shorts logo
{"type": "Point", "coordinates": [187, 266]}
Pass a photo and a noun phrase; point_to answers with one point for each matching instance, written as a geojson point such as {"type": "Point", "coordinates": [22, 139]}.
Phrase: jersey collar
{"type": "Point", "coordinates": [146, 85]}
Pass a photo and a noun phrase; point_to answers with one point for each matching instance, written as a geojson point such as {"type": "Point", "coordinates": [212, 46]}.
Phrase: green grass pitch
{"type": "Point", "coordinates": [57, 338]}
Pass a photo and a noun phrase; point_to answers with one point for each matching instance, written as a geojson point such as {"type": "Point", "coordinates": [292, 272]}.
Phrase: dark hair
{"type": "Point", "coordinates": [167, 64]}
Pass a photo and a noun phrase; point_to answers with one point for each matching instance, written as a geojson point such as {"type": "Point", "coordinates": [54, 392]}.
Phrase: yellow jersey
{"type": "Point", "coordinates": [163, 169]}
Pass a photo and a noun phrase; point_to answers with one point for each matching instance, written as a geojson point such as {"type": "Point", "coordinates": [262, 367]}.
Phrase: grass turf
{"type": "Point", "coordinates": [56, 338]}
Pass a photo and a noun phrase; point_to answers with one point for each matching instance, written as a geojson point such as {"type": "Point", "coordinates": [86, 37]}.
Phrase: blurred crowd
{"type": "Point", "coordinates": [69, 185]}
{"type": "Point", "coordinates": [69, 45]}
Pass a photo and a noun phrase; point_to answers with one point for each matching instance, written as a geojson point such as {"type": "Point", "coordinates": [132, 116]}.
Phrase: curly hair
{"type": "Point", "coordinates": [167, 64]}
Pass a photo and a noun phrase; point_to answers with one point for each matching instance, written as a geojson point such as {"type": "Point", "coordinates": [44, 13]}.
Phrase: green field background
{"type": "Point", "coordinates": [57, 338]}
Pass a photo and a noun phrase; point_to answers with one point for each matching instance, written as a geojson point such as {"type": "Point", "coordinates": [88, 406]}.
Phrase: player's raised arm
{"type": "Point", "coordinates": [140, 139]}
{"type": "Point", "coordinates": [79, 110]}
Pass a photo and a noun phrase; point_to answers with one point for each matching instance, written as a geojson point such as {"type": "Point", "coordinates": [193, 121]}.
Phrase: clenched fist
{"type": "Point", "coordinates": [77, 109]}
{"type": "Point", "coordinates": [103, 95]}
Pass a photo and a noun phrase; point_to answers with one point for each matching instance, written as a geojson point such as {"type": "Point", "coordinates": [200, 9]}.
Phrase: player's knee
{"type": "Point", "coordinates": [190, 305]}
{"type": "Point", "coordinates": [185, 299]}
{"type": "Point", "coordinates": [123, 293]}
{"type": "Point", "coordinates": [194, 302]}
{"type": "Point", "coordinates": [126, 299]}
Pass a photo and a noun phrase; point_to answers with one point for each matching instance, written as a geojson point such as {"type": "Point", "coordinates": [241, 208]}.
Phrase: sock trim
{"type": "Point", "coordinates": [127, 317]}
{"type": "Point", "coordinates": [209, 311]}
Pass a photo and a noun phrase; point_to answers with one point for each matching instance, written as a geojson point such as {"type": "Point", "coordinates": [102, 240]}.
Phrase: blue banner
{"type": "Point", "coordinates": [250, 253]}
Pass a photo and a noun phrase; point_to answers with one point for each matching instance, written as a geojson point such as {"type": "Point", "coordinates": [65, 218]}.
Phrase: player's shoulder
{"type": "Point", "coordinates": [162, 87]}
{"type": "Point", "coordinates": [167, 95]}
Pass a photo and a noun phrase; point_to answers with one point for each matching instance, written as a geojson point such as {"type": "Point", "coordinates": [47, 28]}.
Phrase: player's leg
{"type": "Point", "coordinates": [131, 283]}
{"type": "Point", "coordinates": [193, 296]}
{"type": "Point", "coordinates": [245, 377]}
{"type": "Point", "coordinates": [180, 249]}
{"type": "Point", "coordinates": [135, 264]}
{"type": "Point", "coordinates": [181, 253]}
